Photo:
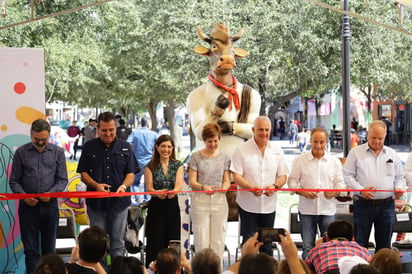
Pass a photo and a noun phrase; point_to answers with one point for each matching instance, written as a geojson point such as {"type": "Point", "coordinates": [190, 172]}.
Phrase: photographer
{"type": "Point", "coordinates": [266, 263]}
{"type": "Point", "coordinates": [339, 243]}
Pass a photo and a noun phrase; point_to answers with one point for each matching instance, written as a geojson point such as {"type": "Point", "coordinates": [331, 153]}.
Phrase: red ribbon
{"type": "Point", "coordinates": [233, 96]}
{"type": "Point", "coordinates": [102, 194]}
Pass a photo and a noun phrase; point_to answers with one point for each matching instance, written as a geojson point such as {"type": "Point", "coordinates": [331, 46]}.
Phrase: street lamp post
{"type": "Point", "coordinates": [346, 34]}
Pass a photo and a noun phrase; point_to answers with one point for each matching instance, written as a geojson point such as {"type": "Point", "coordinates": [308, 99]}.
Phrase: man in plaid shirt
{"type": "Point", "coordinates": [339, 243]}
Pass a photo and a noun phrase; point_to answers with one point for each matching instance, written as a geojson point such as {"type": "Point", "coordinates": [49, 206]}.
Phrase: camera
{"type": "Point", "coordinates": [175, 244]}
{"type": "Point", "coordinates": [270, 234]}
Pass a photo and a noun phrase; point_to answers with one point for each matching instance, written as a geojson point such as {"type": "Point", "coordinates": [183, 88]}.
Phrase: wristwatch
{"type": "Point", "coordinates": [276, 186]}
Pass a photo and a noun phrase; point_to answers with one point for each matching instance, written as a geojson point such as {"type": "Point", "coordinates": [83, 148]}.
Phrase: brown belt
{"type": "Point", "coordinates": [373, 201]}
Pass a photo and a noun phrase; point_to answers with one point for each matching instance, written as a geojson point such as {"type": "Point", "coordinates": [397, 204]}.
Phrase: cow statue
{"type": "Point", "coordinates": [222, 99]}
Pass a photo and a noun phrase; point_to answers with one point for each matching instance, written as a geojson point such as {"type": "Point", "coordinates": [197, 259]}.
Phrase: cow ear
{"type": "Point", "coordinates": [202, 50]}
{"type": "Point", "coordinates": [240, 53]}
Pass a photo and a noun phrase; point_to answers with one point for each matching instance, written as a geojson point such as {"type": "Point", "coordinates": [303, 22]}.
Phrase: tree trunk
{"type": "Point", "coordinates": [318, 103]}
{"type": "Point", "coordinates": [175, 130]}
{"type": "Point", "coordinates": [151, 107]}
{"type": "Point", "coordinates": [192, 139]}
{"type": "Point", "coordinates": [369, 98]}
{"type": "Point", "coordinates": [279, 102]}
{"type": "Point", "coordinates": [262, 91]}
{"type": "Point", "coordinates": [306, 113]}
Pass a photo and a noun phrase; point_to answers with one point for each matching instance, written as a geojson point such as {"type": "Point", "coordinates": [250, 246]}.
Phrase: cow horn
{"type": "Point", "coordinates": [237, 37]}
{"type": "Point", "coordinates": [202, 36]}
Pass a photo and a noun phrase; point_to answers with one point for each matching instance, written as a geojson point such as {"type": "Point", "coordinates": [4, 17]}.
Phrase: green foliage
{"type": "Point", "coordinates": [130, 55]}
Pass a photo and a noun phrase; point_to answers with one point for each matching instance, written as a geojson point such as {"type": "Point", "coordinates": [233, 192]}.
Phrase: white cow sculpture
{"type": "Point", "coordinates": [222, 99]}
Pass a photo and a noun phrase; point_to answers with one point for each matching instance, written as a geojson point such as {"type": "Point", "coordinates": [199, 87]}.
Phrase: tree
{"type": "Point", "coordinates": [130, 55]}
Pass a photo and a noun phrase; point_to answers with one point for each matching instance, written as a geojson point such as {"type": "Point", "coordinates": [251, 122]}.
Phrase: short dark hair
{"type": "Point", "coordinates": [121, 122]}
{"type": "Point", "coordinates": [40, 125]}
{"type": "Point", "coordinates": [206, 261]}
{"type": "Point", "coordinates": [126, 265]}
{"type": "Point", "coordinates": [260, 263]}
{"type": "Point", "coordinates": [105, 117]}
{"type": "Point", "coordinates": [143, 122]}
{"type": "Point", "coordinates": [93, 244]}
{"type": "Point", "coordinates": [51, 263]}
{"type": "Point", "coordinates": [168, 261]}
{"type": "Point", "coordinates": [340, 229]}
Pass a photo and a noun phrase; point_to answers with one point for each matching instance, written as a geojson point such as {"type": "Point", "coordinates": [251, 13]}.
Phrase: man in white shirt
{"type": "Point", "coordinates": [259, 169]}
{"type": "Point", "coordinates": [302, 139]}
{"type": "Point", "coordinates": [374, 168]}
{"type": "Point", "coordinates": [316, 170]}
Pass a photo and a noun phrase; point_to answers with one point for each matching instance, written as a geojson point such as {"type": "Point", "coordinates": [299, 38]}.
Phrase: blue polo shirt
{"type": "Point", "coordinates": [108, 165]}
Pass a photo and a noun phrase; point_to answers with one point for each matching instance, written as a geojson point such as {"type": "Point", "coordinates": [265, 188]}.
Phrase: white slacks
{"type": "Point", "coordinates": [209, 221]}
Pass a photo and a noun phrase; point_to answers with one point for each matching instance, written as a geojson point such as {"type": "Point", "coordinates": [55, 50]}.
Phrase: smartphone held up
{"type": "Point", "coordinates": [270, 234]}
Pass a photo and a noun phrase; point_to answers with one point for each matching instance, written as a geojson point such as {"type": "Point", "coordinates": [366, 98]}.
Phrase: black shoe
{"type": "Point", "coordinates": [71, 157]}
{"type": "Point", "coordinates": [75, 159]}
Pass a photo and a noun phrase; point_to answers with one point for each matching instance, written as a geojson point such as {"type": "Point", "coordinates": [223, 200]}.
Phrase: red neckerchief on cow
{"type": "Point", "coordinates": [233, 96]}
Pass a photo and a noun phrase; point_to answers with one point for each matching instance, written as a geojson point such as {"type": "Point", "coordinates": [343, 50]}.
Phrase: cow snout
{"type": "Point", "coordinates": [226, 62]}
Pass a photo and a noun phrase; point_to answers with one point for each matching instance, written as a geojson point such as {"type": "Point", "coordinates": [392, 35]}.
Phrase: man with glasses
{"type": "Point", "coordinates": [38, 167]}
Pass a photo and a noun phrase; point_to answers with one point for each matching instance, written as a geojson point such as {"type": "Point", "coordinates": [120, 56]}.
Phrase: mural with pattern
{"type": "Point", "coordinates": [22, 90]}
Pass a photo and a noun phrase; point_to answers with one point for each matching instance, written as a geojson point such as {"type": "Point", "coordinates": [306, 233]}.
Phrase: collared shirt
{"type": "Point", "coordinates": [261, 171]}
{"type": "Point", "coordinates": [325, 256]}
{"type": "Point", "coordinates": [108, 165]}
{"type": "Point", "coordinates": [143, 141]}
{"type": "Point", "coordinates": [384, 171]}
{"type": "Point", "coordinates": [408, 171]}
{"type": "Point", "coordinates": [38, 172]}
{"type": "Point", "coordinates": [309, 172]}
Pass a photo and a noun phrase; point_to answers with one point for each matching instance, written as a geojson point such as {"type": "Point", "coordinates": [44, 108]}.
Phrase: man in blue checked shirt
{"type": "Point", "coordinates": [38, 167]}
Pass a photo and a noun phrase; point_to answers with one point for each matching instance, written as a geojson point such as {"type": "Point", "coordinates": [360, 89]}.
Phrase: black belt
{"type": "Point", "coordinates": [373, 201]}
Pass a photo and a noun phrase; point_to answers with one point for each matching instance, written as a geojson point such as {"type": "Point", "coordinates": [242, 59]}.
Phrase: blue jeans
{"type": "Point", "coordinates": [309, 227]}
{"type": "Point", "coordinates": [250, 222]}
{"type": "Point", "coordinates": [136, 188]}
{"type": "Point", "coordinates": [282, 132]}
{"type": "Point", "coordinates": [382, 216]}
{"type": "Point", "coordinates": [292, 138]}
{"type": "Point", "coordinates": [301, 146]}
{"type": "Point", "coordinates": [113, 222]}
{"type": "Point", "coordinates": [38, 226]}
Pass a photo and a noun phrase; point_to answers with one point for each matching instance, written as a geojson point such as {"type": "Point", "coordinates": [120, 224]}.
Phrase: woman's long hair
{"type": "Point", "coordinates": [156, 156]}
